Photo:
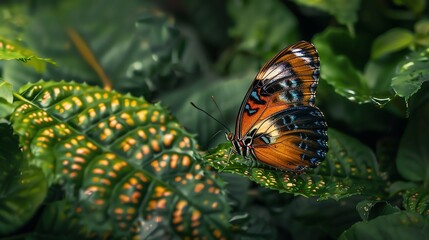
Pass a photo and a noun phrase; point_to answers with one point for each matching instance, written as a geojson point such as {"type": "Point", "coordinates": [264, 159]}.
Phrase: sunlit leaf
{"type": "Point", "coordinates": [13, 51]}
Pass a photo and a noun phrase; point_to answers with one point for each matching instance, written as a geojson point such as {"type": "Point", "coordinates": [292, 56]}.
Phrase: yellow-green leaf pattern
{"type": "Point", "coordinates": [126, 165]}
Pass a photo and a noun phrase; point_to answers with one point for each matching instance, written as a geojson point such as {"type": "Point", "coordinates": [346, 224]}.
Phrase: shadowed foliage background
{"type": "Point", "coordinates": [374, 61]}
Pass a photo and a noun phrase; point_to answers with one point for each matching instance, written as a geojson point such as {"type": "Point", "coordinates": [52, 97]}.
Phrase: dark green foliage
{"type": "Point", "coordinates": [108, 162]}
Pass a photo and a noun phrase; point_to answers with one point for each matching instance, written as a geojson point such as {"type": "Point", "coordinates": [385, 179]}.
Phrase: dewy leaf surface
{"type": "Point", "coordinates": [126, 164]}
{"type": "Point", "coordinates": [411, 74]}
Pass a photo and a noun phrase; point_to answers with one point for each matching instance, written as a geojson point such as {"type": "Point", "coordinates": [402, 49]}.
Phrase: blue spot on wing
{"type": "Point", "coordinates": [249, 110]}
{"type": "Point", "coordinates": [254, 96]}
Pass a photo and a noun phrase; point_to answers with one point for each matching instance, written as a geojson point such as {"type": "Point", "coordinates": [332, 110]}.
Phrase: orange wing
{"type": "Point", "coordinates": [292, 139]}
{"type": "Point", "coordinates": [289, 79]}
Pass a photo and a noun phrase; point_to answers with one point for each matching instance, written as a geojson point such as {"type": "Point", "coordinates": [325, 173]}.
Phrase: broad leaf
{"type": "Point", "coordinates": [126, 165]}
{"type": "Point", "coordinates": [266, 35]}
{"type": "Point", "coordinates": [125, 46]}
{"type": "Point", "coordinates": [369, 209]}
{"type": "Point", "coordinates": [22, 187]}
{"type": "Point", "coordinates": [6, 99]}
{"type": "Point", "coordinates": [391, 41]}
{"type": "Point", "coordinates": [349, 169]}
{"type": "Point", "coordinates": [340, 68]}
{"type": "Point", "coordinates": [308, 218]}
{"type": "Point", "coordinates": [412, 160]}
{"type": "Point", "coordinates": [55, 221]}
{"type": "Point", "coordinates": [6, 91]}
{"type": "Point", "coordinates": [253, 225]}
{"type": "Point", "coordinates": [344, 11]}
{"type": "Point", "coordinates": [400, 225]}
{"type": "Point", "coordinates": [411, 74]}
{"type": "Point", "coordinates": [5, 108]}
{"type": "Point", "coordinates": [417, 6]}
{"type": "Point", "coordinates": [228, 94]}
{"type": "Point", "coordinates": [417, 200]}
{"type": "Point", "coordinates": [421, 29]}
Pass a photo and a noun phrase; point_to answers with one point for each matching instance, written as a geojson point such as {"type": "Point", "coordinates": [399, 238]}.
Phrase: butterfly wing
{"type": "Point", "coordinates": [288, 131]}
{"type": "Point", "coordinates": [288, 79]}
{"type": "Point", "coordinates": [291, 139]}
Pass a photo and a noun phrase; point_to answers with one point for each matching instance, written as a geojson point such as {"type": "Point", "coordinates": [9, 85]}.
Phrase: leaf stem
{"type": "Point", "coordinates": [89, 57]}
{"type": "Point", "coordinates": [16, 95]}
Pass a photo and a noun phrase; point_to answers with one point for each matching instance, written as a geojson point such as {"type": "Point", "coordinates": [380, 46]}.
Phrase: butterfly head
{"type": "Point", "coordinates": [229, 136]}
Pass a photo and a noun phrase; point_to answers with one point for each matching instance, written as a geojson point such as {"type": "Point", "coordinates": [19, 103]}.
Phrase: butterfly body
{"type": "Point", "coordinates": [278, 124]}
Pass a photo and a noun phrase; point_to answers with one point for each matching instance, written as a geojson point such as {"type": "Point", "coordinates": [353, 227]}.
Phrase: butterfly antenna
{"type": "Point", "coordinates": [219, 110]}
{"type": "Point", "coordinates": [208, 114]}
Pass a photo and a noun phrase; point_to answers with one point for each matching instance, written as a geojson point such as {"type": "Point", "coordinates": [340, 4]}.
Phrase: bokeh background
{"type": "Point", "coordinates": [373, 70]}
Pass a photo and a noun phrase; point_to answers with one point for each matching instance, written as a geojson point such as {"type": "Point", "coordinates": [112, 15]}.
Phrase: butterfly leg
{"type": "Point", "coordinates": [231, 150]}
{"type": "Point", "coordinates": [249, 164]}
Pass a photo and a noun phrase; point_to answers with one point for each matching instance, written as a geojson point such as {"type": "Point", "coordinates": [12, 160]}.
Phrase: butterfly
{"type": "Point", "coordinates": [278, 123]}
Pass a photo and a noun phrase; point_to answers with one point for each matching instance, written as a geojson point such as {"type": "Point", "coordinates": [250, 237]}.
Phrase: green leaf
{"type": "Point", "coordinates": [400, 186]}
{"type": "Point", "coordinates": [308, 218]}
{"type": "Point", "coordinates": [417, 6]}
{"type": "Point", "coordinates": [417, 200]}
{"type": "Point", "coordinates": [228, 94]}
{"type": "Point", "coordinates": [253, 225]}
{"type": "Point", "coordinates": [5, 108]}
{"type": "Point", "coordinates": [14, 51]}
{"type": "Point", "coordinates": [421, 29]}
{"type": "Point", "coordinates": [141, 53]}
{"type": "Point", "coordinates": [338, 109]}
{"type": "Point", "coordinates": [55, 221]}
{"type": "Point", "coordinates": [210, 19]}
{"type": "Point", "coordinates": [338, 69]}
{"type": "Point", "coordinates": [22, 188]}
{"type": "Point", "coordinates": [370, 209]}
{"type": "Point", "coordinates": [344, 11]}
{"type": "Point", "coordinates": [400, 225]}
{"type": "Point", "coordinates": [391, 41]}
{"type": "Point", "coordinates": [349, 169]}
{"type": "Point", "coordinates": [6, 91]}
{"type": "Point", "coordinates": [266, 35]}
{"type": "Point", "coordinates": [6, 99]}
{"type": "Point", "coordinates": [412, 160]}
{"type": "Point", "coordinates": [411, 74]}
{"type": "Point", "coordinates": [126, 165]}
